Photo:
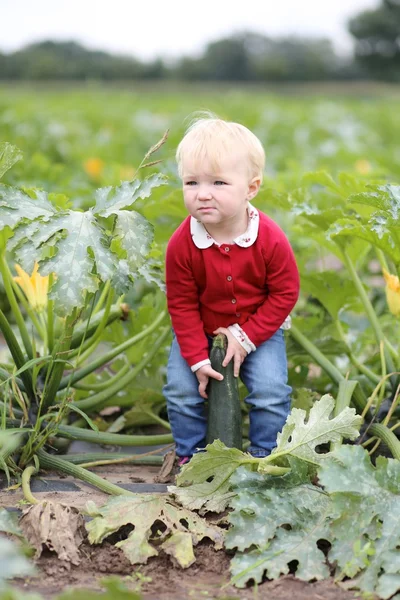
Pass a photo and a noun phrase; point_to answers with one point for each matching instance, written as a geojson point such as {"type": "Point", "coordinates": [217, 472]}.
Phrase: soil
{"type": "Point", "coordinates": [160, 578]}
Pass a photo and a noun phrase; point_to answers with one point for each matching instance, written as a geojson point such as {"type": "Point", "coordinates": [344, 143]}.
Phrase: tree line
{"type": "Point", "coordinates": [245, 57]}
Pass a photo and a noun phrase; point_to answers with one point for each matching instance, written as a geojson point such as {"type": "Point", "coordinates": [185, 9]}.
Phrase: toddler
{"type": "Point", "coordinates": [229, 269]}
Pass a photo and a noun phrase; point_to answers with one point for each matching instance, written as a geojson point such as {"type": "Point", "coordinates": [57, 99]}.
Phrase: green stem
{"type": "Point", "coordinates": [373, 319]}
{"type": "Point", "coordinates": [97, 400]}
{"type": "Point", "coordinates": [96, 338]}
{"type": "Point", "coordinates": [82, 332]}
{"type": "Point", "coordinates": [358, 398]}
{"type": "Point", "coordinates": [50, 320]}
{"type": "Point", "coordinates": [343, 399]}
{"type": "Point", "coordinates": [57, 369]}
{"type": "Point", "coordinates": [386, 435]}
{"type": "Point", "coordinates": [48, 461]}
{"type": "Point", "coordinates": [17, 355]}
{"type": "Point", "coordinates": [97, 387]}
{"type": "Point", "coordinates": [31, 313]}
{"type": "Point", "coordinates": [25, 481]}
{"type": "Point", "coordinates": [105, 457]}
{"type": "Point", "coordinates": [115, 439]}
{"type": "Point", "coordinates": [5, 272]}
{"type": "Point", "coordinates": [373, 377]}
{"type": "Point", "coordinates": [100, 301]}
{"type": "Point", "coordinates": [69, 380]}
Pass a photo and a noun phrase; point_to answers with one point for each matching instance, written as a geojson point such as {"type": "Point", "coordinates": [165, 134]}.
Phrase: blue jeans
{"type": "Point", "coordinates": [263, 372]}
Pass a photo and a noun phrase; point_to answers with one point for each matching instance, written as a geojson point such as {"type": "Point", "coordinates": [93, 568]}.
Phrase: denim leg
{"type": "Point", "coordinates": [185, 406]}
{"type": "Point", "coordinates": [264, 373]}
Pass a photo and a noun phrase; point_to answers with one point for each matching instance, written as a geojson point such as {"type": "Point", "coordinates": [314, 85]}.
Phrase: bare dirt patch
{"type": "Point", "coordinates": [160, 578]}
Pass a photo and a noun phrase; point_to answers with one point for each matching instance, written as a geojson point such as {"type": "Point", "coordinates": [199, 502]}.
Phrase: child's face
{"type": "Point", "coordinates": [218, 197]}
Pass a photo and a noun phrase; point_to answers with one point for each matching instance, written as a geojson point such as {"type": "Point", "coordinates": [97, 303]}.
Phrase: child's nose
{"type": "Point", "coordinates": [204, 192]}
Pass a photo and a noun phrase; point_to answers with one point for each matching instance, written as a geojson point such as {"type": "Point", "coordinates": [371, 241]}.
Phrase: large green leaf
{"type": "Point", "coordinates": [366, 533]}
{"type": "Point", "coordinates": [376, 232]}
{"type": "Point", "coordinates": [285, 524]}
{"type": "Point", "coordinates": [180, 529]}
{"type": "Point", "coordinates": [76, 245]}
{"type": "Point", "coordinates": [300, 437]}
{"type": "Point", "coordinates": [385, 198]}
{"type": "Point", "coordinates": [208, 475]}
{"type": "Point", "coordinates": [264, 503]}
{"type": "Point", "coordinates": [9, 155]}
{"type": "Point", "coordinates": [332, 289]}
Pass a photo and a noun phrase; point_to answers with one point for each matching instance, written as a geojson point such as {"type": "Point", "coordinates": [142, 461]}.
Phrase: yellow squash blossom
{"type": "Point", "coordinates": [34, 287]}
{"type": "Point", "coordinates": [392, 292]}
{"type": "Point", "coordinates": [363, 166]}
{"type": "Point", "coordinates": [94, 167]}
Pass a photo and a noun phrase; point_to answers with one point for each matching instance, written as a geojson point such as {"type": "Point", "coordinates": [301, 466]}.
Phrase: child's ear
{"type": "Point", "coordinates": [254, 186]}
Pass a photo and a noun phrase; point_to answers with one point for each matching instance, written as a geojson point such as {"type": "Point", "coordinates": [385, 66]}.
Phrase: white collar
{"type": "Point", "coordinates": [202, 239]}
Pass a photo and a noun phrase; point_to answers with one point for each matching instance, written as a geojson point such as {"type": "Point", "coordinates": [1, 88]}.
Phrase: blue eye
{"type": "Point", "coordinates": [219, 182]}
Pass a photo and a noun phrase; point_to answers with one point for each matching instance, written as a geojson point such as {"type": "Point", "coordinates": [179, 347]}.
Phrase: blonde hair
{"type": "Point", "coordinates": [213, 139]}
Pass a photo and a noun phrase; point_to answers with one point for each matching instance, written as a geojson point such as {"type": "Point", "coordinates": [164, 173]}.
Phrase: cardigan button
{"type": "Point", "coordinates": [229, 278]}
{"type": "Point", "coordinates": [233, 300]}
{"type": "Point", "coordinates": [226, 248]}
{"type": "Point", "coordinates": [238, 314]}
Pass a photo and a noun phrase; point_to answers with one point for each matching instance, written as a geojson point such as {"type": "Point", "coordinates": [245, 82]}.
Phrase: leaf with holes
{"type": "Point", "coordinates": [158, 524]}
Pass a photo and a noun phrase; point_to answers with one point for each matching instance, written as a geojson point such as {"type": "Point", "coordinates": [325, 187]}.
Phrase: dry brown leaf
{"type": "Point", "coordinates": [54, 526]}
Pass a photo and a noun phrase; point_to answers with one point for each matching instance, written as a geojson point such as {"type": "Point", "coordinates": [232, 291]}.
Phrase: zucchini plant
{"type": "Point", "coordinates": [82, 263]}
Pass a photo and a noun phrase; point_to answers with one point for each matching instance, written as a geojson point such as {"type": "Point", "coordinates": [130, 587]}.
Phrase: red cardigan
{"type": "Point", "coordinates": [256, 287]}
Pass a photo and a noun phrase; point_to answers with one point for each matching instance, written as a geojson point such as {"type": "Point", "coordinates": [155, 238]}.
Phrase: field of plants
{"type": "Point", "coordinates": [89, 196]}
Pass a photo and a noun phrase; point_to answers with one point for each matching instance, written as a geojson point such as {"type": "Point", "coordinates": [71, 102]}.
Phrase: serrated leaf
{"type": "Point", "coordinates": [75, 246]}
{"type": "Point", "coordinates": [385, 198]}
{"type": "Point", "coordinates": [183, 529]}
{"type": "Point", "coordinates": [300, 437]}
{"type": "Point", "coordinates": [376, 232]}
{"type": "Point", "coordinates": [217, 463]}
{"type": "Point", "coordinates": [15, 206]}
{"type": "Point", "coordinates": [367, 501]}
{"type": "Point", "coordinates": [108, 202]}
{"type": "Point", "coordinates": [9, 155]}
{"type": "Point", "coordinates": [309, 525]}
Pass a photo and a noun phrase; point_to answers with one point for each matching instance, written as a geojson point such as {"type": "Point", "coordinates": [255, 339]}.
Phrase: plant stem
{"type": "Point", "coordinates": [69, 380]}
{"type": "Point", "coordinates": [116, 439]}
{"type": "Point", "coordinates": [82, 332]}
{"type": "Point", "coordinates": [386, 435]}
{"type": "Point", "coordinates": [50, 319]}
{"type": "Point", "coordinates": [25, 481]}
{"type": "Point", "coordinates": [97, 387]}
{"type": "Point", "coordinates": [104, 458]}
{"type": "Point", "coordinates": [17, 355]}
{"type": "Point", "coordinates": [57, 369]}
{"type": "Point", "coordinates": [373, 319]}
{"type": "Point", "coordinates": [97, 400]}
{"type": "Point", "coordinates": [96, 338]}
{"type": "Point", "coordinates": [358, 398]}
{"type": "Point", "coordinates": [4, 270]}
{"type": "Point", "coordinates": [373, 377]}
{"type": "Point", "coordinates": [48, 461]}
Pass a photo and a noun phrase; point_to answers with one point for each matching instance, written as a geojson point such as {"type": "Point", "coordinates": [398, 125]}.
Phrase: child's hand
{"type": "Point", "coordinates": [234, 350]}
{"type": "Point", "coordinates": [203, 375]}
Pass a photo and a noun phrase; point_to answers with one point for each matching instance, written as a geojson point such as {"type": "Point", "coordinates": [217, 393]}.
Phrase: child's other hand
{"type": "Point", "coordinates": [203, 375]}
{"type": "Point", "coordinates": [234, 350]}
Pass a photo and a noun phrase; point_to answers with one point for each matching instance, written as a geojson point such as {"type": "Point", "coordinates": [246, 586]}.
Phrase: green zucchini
{"type": "Point", "coordinates": [224, 413]}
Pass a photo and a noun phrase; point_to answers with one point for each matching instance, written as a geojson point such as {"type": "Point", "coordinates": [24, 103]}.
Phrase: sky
{"type": "Point", "coordinates": [148, 29]}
